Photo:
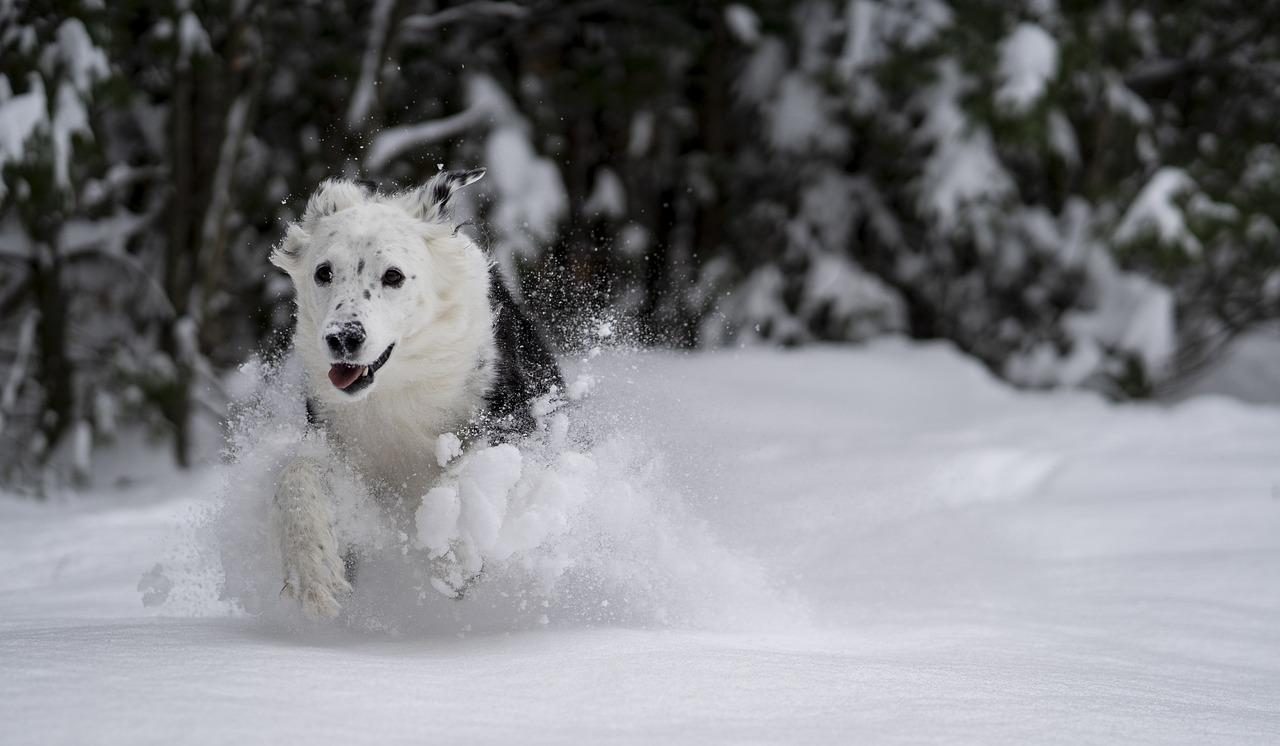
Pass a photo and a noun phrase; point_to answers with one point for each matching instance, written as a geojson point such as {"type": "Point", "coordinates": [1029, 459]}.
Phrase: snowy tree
{"type": "Point", "coordinates": [1018, 179]}
{"type": "Point", "coordinates": [1074, 194]}
{"type": "Point", "coordinates": [61, 233]}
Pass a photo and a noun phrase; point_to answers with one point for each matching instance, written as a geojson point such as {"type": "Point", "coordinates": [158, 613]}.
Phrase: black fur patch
{"type": "Point", "coordinates": [441, 192]}
{"type": "Point", "coordinates": [524, 368]}
{"type": "Point", "coordinates": [313, 414]}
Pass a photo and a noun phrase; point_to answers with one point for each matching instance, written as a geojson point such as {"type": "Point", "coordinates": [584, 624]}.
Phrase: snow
{"type": "Point", "coordinates": [1155, 211]}
{"type": "Point", "coordinates": [861, 47]}
{"type": "Point", "coordinates": [69, 119]}
{"type": "Point", "coordinates": [193, 40]}
{"type": "Point", "coordinates": [448, 447]}
{"type": "Point", "coordinates": [17, 372]}
{"type": "Point", "coordinates": [20, 117]}
{"type": "Point", "coordinates": [1028, 63]}
{"type": "Point", "coordinates": [866, 306]}
{"type": "Point", "coordinates": [632, 240]}
{"type": "Point", "coordinates": [608, 195]}
{"type": "Point", "coordinates": [1122, 316]}
{"type": "Point", "coordinates": [962, 168]}
{"type": "Point", "coordinates": [799, 120]}
{"type": "Point", "coordinates": [421, 23]}
{"type": "Point", "coordinates": [1131, 313]}
{"type": "Point", "coordinates": [864, 48]}
{"type": "Point", "coordinates": [1123, 312]}
{"type": "Point", "coordinates": [393, 141]}
{"type": "Point", "coordinates": [757, 306]}
{"type": "Point", "coordinates": [531, 195]}
{"type": "Point", "coordinates": [876, 544]}
{"type": "Point", "coordinates": [485, 103]}
{"type": "Point", "coordinates": [743, 23]}
{"type": "Point", "coordinates": [81, 65]}
{"type": "Point", "coordinates": [1062, 139]}
{"type": "Point", "coordinates": [1249, 369]}
{"type": "Point", "coordinates": [759, 79]}
{"type": "Point", "coordinates": [220, 201]}
{"type": "Point", "coordinates": [82, 62]}
{"type": "Point", "coordinates": [363, 95]}
{"type": "Point", "coordinates": [1124, 101]}
{"type": "Point", "coordinates": [640, 137]}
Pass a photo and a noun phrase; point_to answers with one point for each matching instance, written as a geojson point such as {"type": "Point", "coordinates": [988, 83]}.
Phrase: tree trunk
{"type": "Point", "coordinates": [175, 398]}
{"type": "Point", "coordinates": [55, 368]}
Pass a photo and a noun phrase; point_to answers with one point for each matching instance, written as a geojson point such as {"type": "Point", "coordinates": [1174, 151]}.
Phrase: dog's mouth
{"type": "Point", "coordinates": [355, 378]}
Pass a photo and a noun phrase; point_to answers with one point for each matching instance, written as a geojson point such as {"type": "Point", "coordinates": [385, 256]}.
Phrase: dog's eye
{"type": "Point", "coordinates": [324, 274]}
{"type": "Point", "coordinates": [393, 278]}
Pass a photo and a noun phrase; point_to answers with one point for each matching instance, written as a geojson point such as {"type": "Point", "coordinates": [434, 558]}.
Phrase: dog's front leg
{"type": "Point", "coordinates": [313, 566]}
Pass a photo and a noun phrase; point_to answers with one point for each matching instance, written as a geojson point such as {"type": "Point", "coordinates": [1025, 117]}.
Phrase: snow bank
{"type": "Point", "coordinates": [981, 565]}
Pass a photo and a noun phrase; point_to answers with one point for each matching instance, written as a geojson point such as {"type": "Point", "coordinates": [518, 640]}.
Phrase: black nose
{"type": "Point", "coordinates": [346, 339]}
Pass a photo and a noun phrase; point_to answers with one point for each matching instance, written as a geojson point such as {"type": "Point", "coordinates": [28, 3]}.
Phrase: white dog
{"type": "Point", "coordinates": [405, 332]}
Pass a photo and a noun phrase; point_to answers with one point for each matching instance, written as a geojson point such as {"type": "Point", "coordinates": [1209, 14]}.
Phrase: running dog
{"type": "Point", "coordinates": [406, 332]}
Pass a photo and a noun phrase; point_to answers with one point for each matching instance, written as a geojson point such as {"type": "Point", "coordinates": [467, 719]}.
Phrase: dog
{"type": "Point", "coordinates": [406, 332]}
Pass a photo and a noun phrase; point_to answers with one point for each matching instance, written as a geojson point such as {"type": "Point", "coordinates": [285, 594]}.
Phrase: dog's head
{"type": "Point", "coordinates": [370, 272]}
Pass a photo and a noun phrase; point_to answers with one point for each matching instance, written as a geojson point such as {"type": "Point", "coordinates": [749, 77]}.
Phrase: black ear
{"type": "Point", "coordinates": [431, 200]}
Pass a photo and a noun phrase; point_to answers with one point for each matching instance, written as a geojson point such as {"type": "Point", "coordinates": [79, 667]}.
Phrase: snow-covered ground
{"type": "Point", "coordinates": [895, 549]}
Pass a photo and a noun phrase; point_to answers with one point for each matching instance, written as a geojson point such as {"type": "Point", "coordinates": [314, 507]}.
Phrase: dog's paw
{"type": "Point", "coordinates": [317, 602]}
{"type": "Point", "coordinates": [318, 584]}
{"type": "Point", "coordinates": [453, 586]}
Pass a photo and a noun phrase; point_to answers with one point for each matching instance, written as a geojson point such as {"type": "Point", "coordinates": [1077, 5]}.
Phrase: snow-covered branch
{"type": "Point", "coordinates": [425, 22]}
{"type": "Point", "coordinates": [487, 105]}
{"type": "Point", "coordinates": [228, 154]}
{"type": "Point", "coordinates": [104, 240]}
{"type": "Point", "coordinates": [393, 141]}
{"type": "Point", "coordinates": [18, 371]}
{"type": "Point", "coordinates": [107, 235]}
{"type": "Point", "coordinates": [362, 97]}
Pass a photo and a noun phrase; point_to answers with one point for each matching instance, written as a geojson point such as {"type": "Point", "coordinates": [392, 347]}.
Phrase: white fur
{"type": "Point", "coordinates": [441, 325]}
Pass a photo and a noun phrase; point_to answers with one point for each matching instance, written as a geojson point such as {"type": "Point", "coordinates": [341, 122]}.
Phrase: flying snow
{"type": "Point", "coordinates": [580, 523]}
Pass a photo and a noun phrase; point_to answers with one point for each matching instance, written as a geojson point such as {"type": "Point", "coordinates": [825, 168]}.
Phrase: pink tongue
{"type": "Point", "coordinates": [343, 376]}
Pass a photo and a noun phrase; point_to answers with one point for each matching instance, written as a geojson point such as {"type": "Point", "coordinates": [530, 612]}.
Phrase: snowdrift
{"type": "Point", "coordinates": [878, 544]}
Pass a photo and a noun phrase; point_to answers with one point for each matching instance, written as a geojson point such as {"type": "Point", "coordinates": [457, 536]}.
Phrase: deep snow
{"type": "Point", "coordinates": [896, 548]}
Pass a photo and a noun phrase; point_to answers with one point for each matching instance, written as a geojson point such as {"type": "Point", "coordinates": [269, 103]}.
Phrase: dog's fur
{"type": "Point", "coordinates": [463, 358]}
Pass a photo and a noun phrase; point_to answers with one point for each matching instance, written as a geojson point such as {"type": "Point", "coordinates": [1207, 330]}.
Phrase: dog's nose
{"type": "Point", "coordinates": [346, 339]}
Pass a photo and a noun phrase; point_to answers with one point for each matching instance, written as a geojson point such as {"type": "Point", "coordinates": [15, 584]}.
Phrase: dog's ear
{"type": "Point", "coordinates": [431, 200]}
{"type": "Point", "coordinates": [288, 253]}
{"type": "Point", "coordinates": [331, 196]}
